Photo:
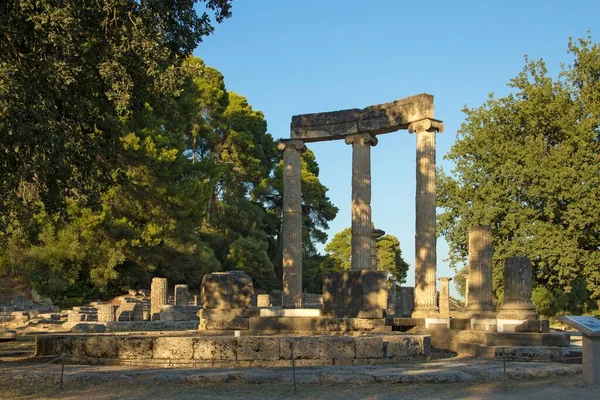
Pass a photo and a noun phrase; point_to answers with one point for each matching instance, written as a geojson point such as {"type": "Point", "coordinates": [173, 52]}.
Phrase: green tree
{"type": "Point", "coordinates": [528, 165]}
{"type": "Point", "coordinates": [388, 252]}
{"type": "Point", "coordinates": [72, 73]}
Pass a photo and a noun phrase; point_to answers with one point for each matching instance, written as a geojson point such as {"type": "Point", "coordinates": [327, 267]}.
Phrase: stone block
{"type": "Point", "coordinates": [369, 347]}
{"type": "Point", "coordinates": [289, 312]}
{"type": "Point", "coordinates": [135, 348]}
{"type": "Point", "coordinates": [354, 324]}
{"type": "Point", "coordinates": [173, 348]}
{"type": "Point", "coordinates": [404, 346]}
{"type": "Point", "coordinates": [305, 348]}
{"type": "Point", "coordinates": [215, 324]}
{"type": "Point", "coordinates": [287, 324]}
{"type": "Point", "coordinates": [534, 325]}
{"type": "Point", "coordinates": [88, 328]}
{"type": "Point", "coordinates": [215, 348]}
{"type": "Point", "coordinates": [100, 347]}
{"type": "Point", "coordinates": [226, 290]}
{"type": "Point", "coordinates": [228, 313]}
{"type": "Point", "coordinates": [263, 300]}
{"type": "Point", "coordinates": [178, 313]}
{"type": "Point", "coordinates": [130, 312]}
{"type": "Point", "coordinates": [337, 347]}
{"type": "Point", "coordinates": [258, 348]}
{"type": "Point", "coordinates": [348, 292]}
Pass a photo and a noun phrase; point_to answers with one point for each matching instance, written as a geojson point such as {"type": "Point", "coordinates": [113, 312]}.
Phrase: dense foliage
{"type": "Point", "coordinates": [124, 158]}
{"type": "Point", "coordinates": [528, 164]}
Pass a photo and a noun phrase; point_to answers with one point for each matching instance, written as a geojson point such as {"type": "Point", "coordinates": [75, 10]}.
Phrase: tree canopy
{"type": "Point", "coordinates": [528, 165]}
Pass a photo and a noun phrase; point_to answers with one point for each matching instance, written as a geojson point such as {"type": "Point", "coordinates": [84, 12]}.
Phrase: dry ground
{"type": "Point", "coordinates": [555, 388]}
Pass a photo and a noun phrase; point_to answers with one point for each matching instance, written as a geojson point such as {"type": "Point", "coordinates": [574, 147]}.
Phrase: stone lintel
{"type": "Point", "coordinates": [376, 119]}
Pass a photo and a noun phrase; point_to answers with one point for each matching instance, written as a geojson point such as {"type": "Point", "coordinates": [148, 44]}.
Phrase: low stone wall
{"type": "Point", "coordinates": [227, 351]}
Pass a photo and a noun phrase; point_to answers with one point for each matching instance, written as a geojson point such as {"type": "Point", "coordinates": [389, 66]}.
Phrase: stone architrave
{"type": "Point", "coordinates": [444, 297]}
{"type": "Point", "coordinates": [425, 219]}
{"type": "Point", "coordinates": [375, 234]}
{"type": "Point", "coordinates": [292, 222]}
{"type": "Point", "coordinates": [361, 200]}
{"type": "Point", "coordinates": [158, 297]}
{"type": "Point", "coordinates": [480, 303]}
{"type": "Point", "coordinates": [517, 290]}
{"type": "Point", "coordinates": [182, 295]}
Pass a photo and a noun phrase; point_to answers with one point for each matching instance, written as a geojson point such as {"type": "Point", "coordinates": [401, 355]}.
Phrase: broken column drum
{"type": "Point", "coordinates": [480, 272]}
{"type": "Point", "coordinates": [444, 297]}
{"type": "Point", "coordinates": [292, 222]}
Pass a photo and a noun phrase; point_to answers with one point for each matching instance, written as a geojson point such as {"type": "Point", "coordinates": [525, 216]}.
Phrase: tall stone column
{"type": "Point", "coordinates": [480, 272]}
{"type": "Point", "coordinates": [517, 290]}
{"type": "Point", "coordinates": [291, 230]}
{"type": "Point", "coordinates": [425, 219]}
{"type": "Point", "coordinates": [361, 200]}
{"type": "Point", "coordinates": [158, 297]}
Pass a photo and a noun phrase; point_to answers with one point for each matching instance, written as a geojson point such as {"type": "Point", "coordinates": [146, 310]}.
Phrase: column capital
{"type": "Point", "coordinates": [362, 138]}
{"type": "Point", "coordinates": [291, 144]}
{"type": "Point", "coordinates": [444, 279]}
{"type": "Point", "coordinates": [426, 125]}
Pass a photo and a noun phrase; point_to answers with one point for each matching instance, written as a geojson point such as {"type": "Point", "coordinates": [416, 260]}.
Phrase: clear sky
{"type": "Point", "coordinates": [301, 56]}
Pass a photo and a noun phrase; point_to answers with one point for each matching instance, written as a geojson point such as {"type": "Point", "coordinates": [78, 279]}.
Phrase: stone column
{"type": "Point", "coordinates": [291, 230]}
{"type": "Point", "coordinates": [375, 234]}
{"type": "Point", "coordinates": [425, 219]}
{"type": "Point", "coordinates": [361, 200]}
{"type": "Point", "coordinates": [466, 291]}
{"type": "Point", "coordinates": [182, 295]}
{"type": "Point", "coordinates": [480, 303]}
{"type": "Point", "coordinates": [158, 297]}
{"type": "Point", "coordinates": [517, 290]}
{"type": "Point", "coordinates": [444, 297]}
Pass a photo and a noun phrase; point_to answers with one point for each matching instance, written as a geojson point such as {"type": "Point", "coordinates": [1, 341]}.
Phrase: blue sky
{"type": "Point", "coordinates": [293, 57]}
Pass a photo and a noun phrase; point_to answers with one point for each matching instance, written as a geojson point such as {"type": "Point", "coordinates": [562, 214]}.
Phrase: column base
{"type": "Point", "coordinates": [437, 323]}
{"type": "Point", "coordinates": [484, 324]}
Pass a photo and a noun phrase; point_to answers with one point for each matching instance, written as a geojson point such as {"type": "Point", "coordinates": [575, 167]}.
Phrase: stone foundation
{"type": "Point", "coordinates": [227, 351]}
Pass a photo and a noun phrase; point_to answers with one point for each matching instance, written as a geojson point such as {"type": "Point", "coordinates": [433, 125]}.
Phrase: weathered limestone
{"type": "Point", "coordinates": [376, 119]}
{"type": "Point", "coordinates": [130, 312]}
{"type": "Point", "coordinates": [361, 294]}
{"type": "Point", "coordinates": [517, 306]}
{"type": "Point", "coordinates": [425, 223]}
{"type": "Point", "coordinates": [182, 295]}
{"type": "Point", "coordinates": [375, 234]}
{"type": "Point", "coordinates": [444, 297]}
{"type": "Point", "coordinates": [263, 300]}
{"type": "Point", "coordinates": [405, 301]}
{"type": "Point", "coordinates": [361, 200]}
{"type": "Point", "coordinates": [292, 222]}
{"type": "Point", "coordinates": [179, 312]}
{"type": "Point", "coordinates": [480, 273]}
{"type": "Point", "coordinates": [227, 290]}
{"type": "Point", "coordinates": [106, 312]}
{"type": "Point", "coordinates": [158, 297]}
{"type": "Point", "coordinates": [222, 351]}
